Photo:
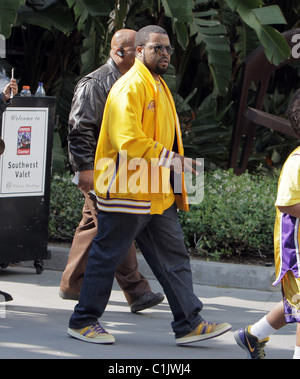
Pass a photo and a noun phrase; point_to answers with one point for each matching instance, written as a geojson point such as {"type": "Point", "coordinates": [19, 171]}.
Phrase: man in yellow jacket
{"type": "Point", "coordinates": [139, 146]}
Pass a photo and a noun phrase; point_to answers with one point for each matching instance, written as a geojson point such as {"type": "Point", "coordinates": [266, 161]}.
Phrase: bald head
{"type": "Point", "coordinates": [124, 38]}
{"type": "Point", "coordinates": [123, 49]}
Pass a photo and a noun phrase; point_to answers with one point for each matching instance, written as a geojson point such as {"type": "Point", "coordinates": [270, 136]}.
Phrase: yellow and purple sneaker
{"type": "Point", "coordinates": [92, 333]}
{"type": "Point", "coordinates": [250, 343]}
{"type": "Point", "coordinates": [204, 331]}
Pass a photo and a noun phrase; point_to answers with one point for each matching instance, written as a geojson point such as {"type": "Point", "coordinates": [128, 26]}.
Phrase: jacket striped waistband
{"type": "Point", "coordinates": [123, 205]}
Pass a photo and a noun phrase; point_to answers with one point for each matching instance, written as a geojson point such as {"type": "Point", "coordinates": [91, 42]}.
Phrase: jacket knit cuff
{"type": "Point", "coordinates": [165, 158]}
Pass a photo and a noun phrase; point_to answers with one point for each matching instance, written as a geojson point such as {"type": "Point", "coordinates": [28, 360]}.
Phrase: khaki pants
{"type": "Point", "coordinates": [129, 278]}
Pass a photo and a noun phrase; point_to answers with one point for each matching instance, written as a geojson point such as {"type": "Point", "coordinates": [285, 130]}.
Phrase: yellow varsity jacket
{"type": "Point", "coordinates": [134, 150]}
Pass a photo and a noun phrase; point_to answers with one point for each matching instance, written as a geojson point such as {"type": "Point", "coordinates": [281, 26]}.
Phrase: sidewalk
{"type": "Point", "coordinates": [36, 321]}
{"type": "Point", "coordinates": [207, 273]}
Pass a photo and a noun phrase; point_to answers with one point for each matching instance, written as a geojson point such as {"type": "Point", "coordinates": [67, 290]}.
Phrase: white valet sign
{"type": "Point", "coordinates": [23, 164]}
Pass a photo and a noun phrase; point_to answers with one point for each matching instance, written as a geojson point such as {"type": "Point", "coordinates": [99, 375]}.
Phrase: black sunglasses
{"type": "Point", "coordinates": [160, 48]}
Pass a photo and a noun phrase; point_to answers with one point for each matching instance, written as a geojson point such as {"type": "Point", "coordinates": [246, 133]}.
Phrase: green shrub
{"type": "Point", "coordinates": [66, 202]}
{"type": "Point", "coordinates": [235, 218]}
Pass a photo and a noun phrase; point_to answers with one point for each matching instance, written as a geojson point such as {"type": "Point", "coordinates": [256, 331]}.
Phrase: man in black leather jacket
{"type": "Point", "coordinates": [85, 120]}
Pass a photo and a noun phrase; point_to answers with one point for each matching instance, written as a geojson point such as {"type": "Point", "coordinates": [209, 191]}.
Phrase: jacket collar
{"type": "Point", "coordinates": [112, 64]}
{"type": "Point", "coordinates": [145, 72]}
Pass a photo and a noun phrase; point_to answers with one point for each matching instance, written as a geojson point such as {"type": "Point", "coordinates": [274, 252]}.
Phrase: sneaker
{"type": "Point", "coordinates": [204, 331]}
{"type": "Point", "coordinates": [147, 300]}
{"type": "Point", "coordinates": [93, 333]}
{"type": "Point", "coordinates": [250, 343]}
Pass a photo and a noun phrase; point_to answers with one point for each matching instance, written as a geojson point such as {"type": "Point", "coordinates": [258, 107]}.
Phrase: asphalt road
{"type": "Point", "coordinates": [34, 324]}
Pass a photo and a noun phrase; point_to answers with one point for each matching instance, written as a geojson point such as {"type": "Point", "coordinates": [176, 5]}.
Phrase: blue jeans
{"type": "Point", "coordinates": [161, 242]}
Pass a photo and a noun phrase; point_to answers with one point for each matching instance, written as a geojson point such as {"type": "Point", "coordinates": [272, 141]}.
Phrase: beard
{"type": "Point", "coordinates": [157, 69]}
{"type": "Point", "coordinates": [160, 70]}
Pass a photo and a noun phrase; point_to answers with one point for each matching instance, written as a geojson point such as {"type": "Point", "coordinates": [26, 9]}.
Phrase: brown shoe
{"type": "Point", "coordinates": [147, 300]}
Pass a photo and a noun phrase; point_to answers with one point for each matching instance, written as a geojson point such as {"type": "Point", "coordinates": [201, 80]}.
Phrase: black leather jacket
{"type": "Point", "coordinates": [86, 113]}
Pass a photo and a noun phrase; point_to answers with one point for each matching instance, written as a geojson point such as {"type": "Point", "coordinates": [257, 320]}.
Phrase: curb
{"type": "Point", "coordinates": [204, 273]}
{"type": "Point", "coordinates": [225, 275]}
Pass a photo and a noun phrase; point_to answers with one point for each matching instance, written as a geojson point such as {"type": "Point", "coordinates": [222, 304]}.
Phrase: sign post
{"type": "Point", "coordinates": [25, 178]}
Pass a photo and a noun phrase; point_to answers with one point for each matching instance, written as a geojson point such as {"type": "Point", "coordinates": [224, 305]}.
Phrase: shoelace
{"type": "Point", "coordinates": [209, 323]}
{"type": "Point", "coordinates": [260, 348]}
{"type": "Point", "coordinates": [97, 328]}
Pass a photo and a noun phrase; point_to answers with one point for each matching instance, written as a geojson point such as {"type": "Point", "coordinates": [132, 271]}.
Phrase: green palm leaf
{"type": "Point", "coordinates": [259, 19]}
{"type": "Point", "coordinates": [213, 35]}
{"type": "Point", "coordinates": [8, 15]}
{"type": "Point", "coordinates": [179, 10]}
{"type": "Point", "coordinates": [55, 15]}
